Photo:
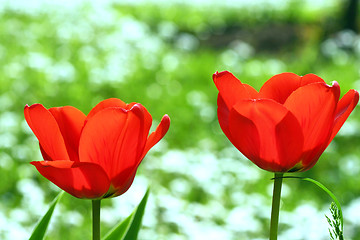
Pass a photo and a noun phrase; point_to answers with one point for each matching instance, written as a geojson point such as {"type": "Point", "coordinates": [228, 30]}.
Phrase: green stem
{"type": "Point", "coordinates": [275, 206]}
{"type": "Point", "coordinates": [96, 219]}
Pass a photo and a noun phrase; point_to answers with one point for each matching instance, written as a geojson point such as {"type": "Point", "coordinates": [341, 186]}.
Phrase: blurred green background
{"type": "Point", "coordinates": [163, 54]}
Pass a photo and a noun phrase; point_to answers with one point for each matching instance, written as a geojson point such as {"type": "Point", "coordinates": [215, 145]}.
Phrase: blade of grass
{"type": "Point", "coordinates": [129, 228]}
{"type": "Point", "coordinates": [41, 226]}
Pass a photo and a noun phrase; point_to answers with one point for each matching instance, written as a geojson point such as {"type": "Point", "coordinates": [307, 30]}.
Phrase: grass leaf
{"type": "Point", "coordinates": [41, 227]}
{"type": "Point", "coordinates": [129, 228]}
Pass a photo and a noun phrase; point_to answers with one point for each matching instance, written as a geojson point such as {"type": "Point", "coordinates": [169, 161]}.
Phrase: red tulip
{"type": "Point", "coordinates": [93, 156]}
{"type": "Point", "coordinates": [285, 126]}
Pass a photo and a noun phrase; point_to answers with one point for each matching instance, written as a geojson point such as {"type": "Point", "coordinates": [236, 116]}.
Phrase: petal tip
{"type": "Point", "coordinates": [219, 74]}
{"type": "Point", "coordinates": [336, 88]}
{"type": "Point", "coordinates": [214, 76]}
{"type": "Point", "coordinates": [166, 121]}
{"type": "Point", "coordinates": [356, 95]}
{"type": "Point", "coordinates": [335, 84]}
{"type": "Point", "coordinates": [35, 105]}
{"type": "Point", "coordinates": [167, 117]}
{"type": "Point", "coordinates": [136, 108]}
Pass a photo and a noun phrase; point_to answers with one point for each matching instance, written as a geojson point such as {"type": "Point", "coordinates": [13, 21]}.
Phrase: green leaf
{"type": "Point", "coordinates": [320, 185]}
{"type": "Point", "coordinates": [129, 228]}
{"type": "Point", "coordinates": [42, 225]}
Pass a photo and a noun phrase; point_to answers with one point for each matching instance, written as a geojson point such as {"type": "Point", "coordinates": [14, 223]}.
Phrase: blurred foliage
{"type": "Point", "coordinates": [163, 56]}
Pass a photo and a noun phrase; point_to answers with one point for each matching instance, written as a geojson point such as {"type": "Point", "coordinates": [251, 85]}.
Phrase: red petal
{"type": "Point", "coordinates": [111, 102]}
{"type": "Point", "coordinates": [223, 116]}
{"type": "Point", "coordinates": [122, 182]}
{"type": "Point", "coordinates": [47, 131]}
{"type": "Point", "coordinates": [44, 154]}
{"type": "Point", "coordinates": [252, 93]}
{"type": "Point", "coordinates": [345, 106]}
{"type": "Point", "coordinates": [280, 86]}
{"type": "Point", "coordinates": [157, 135]}
{"type": "Point", "coordinates": [82, 180]}
{"type": "Point", "coordinates": [115, 138]}
{"type": "Point", "coordinates": [70, 121]}
{"type": "Point", "coordinates": [130, 105]}
{"type": "Point", "coordinates": [231, 89]}
{"type": "Point", "coordinates": [314, 106]}
{"type": "Point", "coordinates": [266, 133]}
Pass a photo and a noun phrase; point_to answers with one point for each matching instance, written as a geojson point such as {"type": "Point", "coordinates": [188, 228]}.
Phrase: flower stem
{"type": "Point", "coordinates": [96, 219]}
{"type": "Point", "coordinates": [275, 206]}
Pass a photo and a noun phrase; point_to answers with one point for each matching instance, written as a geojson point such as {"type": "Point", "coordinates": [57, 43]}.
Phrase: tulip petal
{"type": "Point", "coordinates": [231, 89]}
{"type": "Point", "coordinates": [266, 133]}
{"type": "Point", "coordinates": [82, 180]}
{"type": "Point", "coordinates": [314, 106]}
{"type": "Point", "coordinates": [110, 102]}
{"type": "Point", "coordinates": [115, 138]}
{"type": "Point", "coordinates": [122, 182]}
{"type": "Point", "coordinates": [252, 93]}
{"type": "Point", "coordinates": [47, 131]}
{"type": "Point", "coordinates": [223, 116]}
{"type": "Point", "coordinates": [280, 86]}
{"type": "Point", "coordinates": [157, 135]}
{"type": "Point", "coordinates": [345, 106]}
{"type": "Point", "coordinates": [70, 121]}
